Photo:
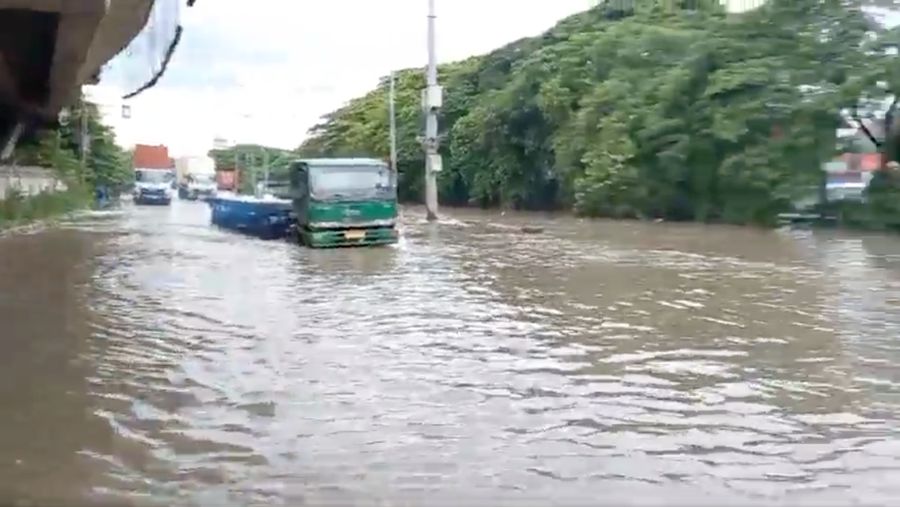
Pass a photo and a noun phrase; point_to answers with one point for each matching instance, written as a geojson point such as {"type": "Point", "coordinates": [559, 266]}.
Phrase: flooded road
{"type": "Point", "coordinates": [151, 359]}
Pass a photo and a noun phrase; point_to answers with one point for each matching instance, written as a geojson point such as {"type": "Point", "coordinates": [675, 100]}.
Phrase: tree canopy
{"type": "Point", "coordinates": [251, 159]}
{"type": "Point", "coordinates": [674, 110]}
{"type": "Point", "coordinates": [107, 164]}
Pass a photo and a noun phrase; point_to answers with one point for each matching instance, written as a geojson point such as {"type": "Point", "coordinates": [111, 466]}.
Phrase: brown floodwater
{"type": "Point", "coordinates": [151, 359]}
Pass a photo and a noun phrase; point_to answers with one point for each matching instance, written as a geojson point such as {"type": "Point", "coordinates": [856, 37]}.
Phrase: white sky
{"type": "Point", "coordinates": [282, 64]}
{"type": "Point", "coordinates": [265, 71]}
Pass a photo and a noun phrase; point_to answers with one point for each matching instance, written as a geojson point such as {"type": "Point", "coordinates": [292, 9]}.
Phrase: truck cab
{"type": "Point", "coordinates": [153, 186]}
{"type": "Point", "coordinates": [196, 177]}
{"type": "Point", "coordinates": [201, 185]}
{"type": "Point", "coordinates": [344, 202]}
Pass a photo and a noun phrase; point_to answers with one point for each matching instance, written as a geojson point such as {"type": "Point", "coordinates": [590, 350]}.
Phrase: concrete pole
{"type": "Point", "coordinates": [9, 144]}
{"type": "Point", "coordinates": [432, 104]}
{"type": "Point", "coordinates": [265, 170]}
{"type": "Point", "coordinates": [253, 178]}
{"type": "Point", "coordinates": [392, 100]}
{"type": "Point", "coordinates": [84, 144]}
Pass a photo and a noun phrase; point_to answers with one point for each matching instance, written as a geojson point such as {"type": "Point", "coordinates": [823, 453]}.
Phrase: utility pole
{"type": "Point", "coordinates": [432, 100]}
{"type": "Point", "coordinates": [84, 139]}
{"type": "Point", "coordinates": [241, 171]}
{"type": "Point", "coordinates": [265, 170]}
{"type": "Point", "coordinates": [253, 178]}
{"type": "Point", "coordinates": [392, 100]}
{"type": "Point", "coordinates": [11, 140]}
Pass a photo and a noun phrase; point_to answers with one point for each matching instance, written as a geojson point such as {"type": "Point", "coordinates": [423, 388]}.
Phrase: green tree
{"type": "Point", "coordinates": [673, 110]}
{"type": "Point", "coordinates": [250, 160]}
{"type": "Point", "coordinates": [106, 164]}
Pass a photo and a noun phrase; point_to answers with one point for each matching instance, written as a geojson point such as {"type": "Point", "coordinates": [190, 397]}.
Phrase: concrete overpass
{"type": "Point", "coordinates": [50, 48]}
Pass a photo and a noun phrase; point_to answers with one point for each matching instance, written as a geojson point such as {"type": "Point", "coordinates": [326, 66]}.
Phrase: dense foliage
{"type": "Point", "coordinates": [639, 109]}
{"type": "Point", "coordinates": [251, 159]}
{"type": "Point", "coordinates": [106, 165]}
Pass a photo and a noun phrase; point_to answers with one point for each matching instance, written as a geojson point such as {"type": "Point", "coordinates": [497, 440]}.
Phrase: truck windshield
{"type": "Point", "coordinates": [204, 179]}
{"type": "Point", "coordinates": [328, 182]}
{"type": "Point", "coordinates": [153, 176]}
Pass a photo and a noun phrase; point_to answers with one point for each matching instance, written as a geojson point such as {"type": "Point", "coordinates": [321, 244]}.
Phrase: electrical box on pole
{"type": "Point", "coordinates": [435, 162]}
{"type": "Point", "coordinates": [432, 98]}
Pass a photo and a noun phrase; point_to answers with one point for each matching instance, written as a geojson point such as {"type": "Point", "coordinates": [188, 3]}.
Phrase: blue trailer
{"type": "Point", "coordinates": [262, 217]}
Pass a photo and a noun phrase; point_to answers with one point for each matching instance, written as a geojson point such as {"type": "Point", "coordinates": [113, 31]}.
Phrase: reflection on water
{"type": "Point", "coordinates": [44, 397]}
{"type": "Point", "coordinates": [150, 357]}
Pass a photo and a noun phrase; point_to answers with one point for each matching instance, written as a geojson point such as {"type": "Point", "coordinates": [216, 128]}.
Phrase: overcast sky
{"type": "Point", "coordinates": [264, 71]}
{"type": "Point", "coordinates": [285, 63]}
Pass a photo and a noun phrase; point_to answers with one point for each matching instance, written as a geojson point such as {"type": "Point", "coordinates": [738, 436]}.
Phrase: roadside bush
{"type": "Point", "coordinates": [16, 208]}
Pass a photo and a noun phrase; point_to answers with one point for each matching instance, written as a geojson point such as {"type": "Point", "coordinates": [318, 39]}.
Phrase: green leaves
{"type": "Point", "coordinates": [106, 164]}
{"type": "Point", "coordinates": [681, 112]}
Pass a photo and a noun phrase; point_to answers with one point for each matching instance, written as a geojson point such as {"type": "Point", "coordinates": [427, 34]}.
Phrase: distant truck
{"type": "Point", "coordinates": [153, 186]}
{"type": "Point", "coordinates": [154, 174]}
{"type": "Point", "coordinates": [196, 177]}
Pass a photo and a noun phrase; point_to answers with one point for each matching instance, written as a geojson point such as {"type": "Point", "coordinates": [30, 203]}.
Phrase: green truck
{"type": "Point", "coordinates": [344, 202]}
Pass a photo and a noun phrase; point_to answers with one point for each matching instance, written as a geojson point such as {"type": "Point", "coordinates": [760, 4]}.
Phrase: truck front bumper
{"type": "Point", "coordinates": [161, 199]}
{"type": "Point", "coordinates": [333, 238]}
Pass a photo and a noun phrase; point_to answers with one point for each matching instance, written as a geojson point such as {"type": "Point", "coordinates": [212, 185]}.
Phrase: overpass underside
{"type": "Point", "coordinates": [49, 48]}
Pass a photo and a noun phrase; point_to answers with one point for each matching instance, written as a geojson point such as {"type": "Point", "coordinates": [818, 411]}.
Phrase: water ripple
{"type": "Point", "coordinates": [636, 363]}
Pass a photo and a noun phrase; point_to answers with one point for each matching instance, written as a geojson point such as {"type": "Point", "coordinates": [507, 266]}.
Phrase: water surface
{"type": "Point", "coordinates": [150, 358]}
